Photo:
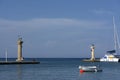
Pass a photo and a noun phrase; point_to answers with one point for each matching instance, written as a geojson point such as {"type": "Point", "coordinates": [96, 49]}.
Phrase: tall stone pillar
{"type": "Point", "coordinates": [19, 43]}
{"type": "Point", "coordinates": [92, 52]}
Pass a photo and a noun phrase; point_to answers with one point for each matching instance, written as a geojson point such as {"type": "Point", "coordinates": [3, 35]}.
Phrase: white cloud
{"type": "Point", "coordinates": [101, 11]}
{"type": "Point", "coordinates": [49, 22]}
{"type": "Point", "coordinates": [50, 43]}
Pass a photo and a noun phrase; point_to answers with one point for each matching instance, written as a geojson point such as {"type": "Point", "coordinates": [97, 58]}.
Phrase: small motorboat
{"type": "Point", "coordinates": [90, 69]}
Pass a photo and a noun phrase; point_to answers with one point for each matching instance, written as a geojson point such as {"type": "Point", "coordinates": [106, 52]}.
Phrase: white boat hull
{"type": "Point", "coordinates": [90, 69]}
{"type": "Point", "coordinates": [110, 60]}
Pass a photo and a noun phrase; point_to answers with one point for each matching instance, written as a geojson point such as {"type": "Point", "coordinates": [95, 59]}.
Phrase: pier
{"type": "Point", "coordinates": [89, 60]}
{"type": "Point", "coordinates": [16, 62]}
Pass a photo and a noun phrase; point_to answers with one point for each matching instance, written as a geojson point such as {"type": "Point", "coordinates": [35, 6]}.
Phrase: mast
{"type": "Point", "coordinates": [6, 55]}
{"type": "Point", "coordinates": [114, 34]}
{"type": "Point", "coordinates": [116, 38]}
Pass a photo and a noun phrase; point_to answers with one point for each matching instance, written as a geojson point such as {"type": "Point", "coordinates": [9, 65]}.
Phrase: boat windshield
{"type": "Point", "coordinates": [117, 56]}
{"type": "Point", "coordinates": [111, 52]}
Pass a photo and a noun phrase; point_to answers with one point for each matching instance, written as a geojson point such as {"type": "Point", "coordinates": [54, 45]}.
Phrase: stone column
{"type": "Point", "coordinates": [20, 42]}
{"type": "Point", "coordinates": [92, 52]}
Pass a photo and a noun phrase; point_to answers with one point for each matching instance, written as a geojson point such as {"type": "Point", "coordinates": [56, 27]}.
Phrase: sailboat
{"type": "Point", "coordinates": [112, 56]}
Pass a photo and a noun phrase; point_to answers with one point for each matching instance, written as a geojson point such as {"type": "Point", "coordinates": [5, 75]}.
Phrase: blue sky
{"type": "Point", "coordinates": [58, 28]}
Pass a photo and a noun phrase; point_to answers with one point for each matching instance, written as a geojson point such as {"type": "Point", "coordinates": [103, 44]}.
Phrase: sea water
{"type": "Point", "coordinates": [59, 69]}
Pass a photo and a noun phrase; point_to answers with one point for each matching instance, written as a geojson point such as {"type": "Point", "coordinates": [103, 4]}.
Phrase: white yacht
{"type": "Point", "coordinates": [112, 56]}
